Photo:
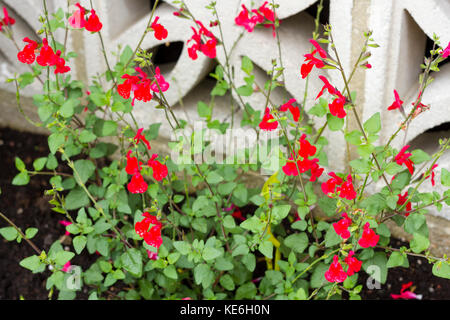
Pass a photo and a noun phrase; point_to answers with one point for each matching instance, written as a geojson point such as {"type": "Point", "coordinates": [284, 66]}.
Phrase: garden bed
{"type": "Point", "coordinates": [28, 207]}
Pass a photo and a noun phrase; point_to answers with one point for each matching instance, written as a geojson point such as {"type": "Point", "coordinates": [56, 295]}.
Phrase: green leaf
{"type": "Point", "coordinates": [376, 267]}
{"type": "Point", "coordinates": [281, 212]}
{"type": "Point", "coordinates": [210, 253]}
{"type": "Point", "coordinates": [445, 177]}
{"type": "Point", "coordinates": [19, 164]}
{"type": "Point", "coordinates": [39, 163]}
{"type": "Point", "coordinates": [76, 199]}
{"type": "Point", "coordinates": [86, 136]}
{"type": "Point", "coordinates": [320, 109]}
{"type": "Point", "coordinates": [204, 110]}
{"type": "Point", "coordinates": [419, 156]}
{"type": "Point", "coordinates": [247, 65]}
{"type": "Point", "coordinates": [332, 238]}
{"type": "Point", "coordinates": [365, 150]}
{"type": "Point", "coordinates": [85, 169]}
{"type": "Point", "coordinates": [334, 123]}
{"type": "Point", "coordinates": [419, 243]}
{"type": "Point", "coordinates": [30, 233]}
{"type": "Point", "coordinates": [441, 269]}
{"type": "Point", "coordinates": [183, 247]}
{"type": "Point", "coordinates": [297, 242]}
{"type": "Point", "coordinates": [373, 124]}
{"type": "Point", "coordinates": [21, 179]}
{"type": "Point", "coordinates": [31, 263]}
{"type": "Point", "coordinates": [354, 137]}
{"type": "Point", "coordinates": [328, 205]}
{"type": "Point", "coordinates": [9, 233]}
{"type": "Point", "coordinates": [226, 281]}
{"type": "Point", "coordinates": [104, 128]}
{"type": "Point", "coordinates": [203, 275]}
{"type": "Point", "coordinates": [62, 257]}
{"type": "Point", "coordinates": [170, 272]}
{"type": "Point", "coordinates": [68, 108]}
{"type": "Point", "coordinates": [214, 178]}
{"type": "Point", "coordinates": [361, 165]}
{"type": "Point", "coordinates": [397, 259]}
{"type": "Point", "coordinates": [55, 141]}
{"type": "Point", "coordinates": [246, 291]}
{"type": "Point", "coordinates": [318, 275]}
{"type": "Point", "coordinates": [266, 248]}
{"type": "Point", "coordinates": [79, 242]}
{"type": "Point", "coordinates": [393, 168]}
{"type": "Point", "coordinates": [132, 262]}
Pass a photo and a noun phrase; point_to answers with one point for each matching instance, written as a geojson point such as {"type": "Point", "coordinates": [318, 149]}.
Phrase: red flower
{"type": "Point", "coordinates": [329, 186]}
{"type": "Point", "coordinates": [60, 63]}
{"type": "Point", "coordinates": [159, 170]}
{"type": "Point", "coordinates": [139, 85]}
{"type": "Point", "coordinates": [149, 229]}
{"type": "Point", "coordinates": [7, 20]}
{"type": "Point", "coordinates": [402, 158]}
{"type": "Point", "coordinates": [331, 89]}
{"type": "Point", "coordinates": [335, 273]}
{"type": "Point", "coordinates": [397, 103]}
{"type": "Point", "coordinates": [354, 265]}
{"type": "Point", "coordinates": [369, 238]}
{"type": "Point", "coordinates": [346, 190]}
{"type": "Point", "coordinates": [76, 20]}
{"type": "Point", "coordinates": [446, 51]}
{"type": "Point", "coordinates": [341, 227]}
{"type": "Point", "coordinates": [295, 111]}
{"type": "Point", "coordinates": [208, 47]}
{"type": "Point", "coordinates": [137, 184]}
{"type": "Point", "coordinates": [305, 151]}
{"type": "Point", "coordinates": [140, 137]}
{"type": "Point", "coordinates": [337, 107]}
{"type": "Point", "coordinates": [27, 54]}
{"type": "Point", "coordinates": [159, 80]}
{"type": "Point", "coordinates": [433, 182]}
{"type": "Point", "coordinates": [46, 55]}
{"type": "Point", "coordinates": [401, 201]}
{"type": "Point", "coordinates": [319, 49]}
{"type": "Point", "coordinates": [312, 61]}
{"type": "Point", "coordinates": [65, 223]}
{"type": "Point", "coordinates": [316, 171]}
{"type": "Point", "coordinates": [406, 294]}
{"type": "Point", "coordinates": [259, 15]}
{"type": "Point", "coordinates": [93, 23]}
{"type": "Point", "coordinates": [133, 165]}
{"type": "Point", "coordinates": [160, 31]}
{"type": "Point", "coordinates": [265, 124]}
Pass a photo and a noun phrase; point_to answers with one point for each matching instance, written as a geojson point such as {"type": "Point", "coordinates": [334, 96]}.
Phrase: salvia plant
{"type": "Point", "coordinates": [157, 228]}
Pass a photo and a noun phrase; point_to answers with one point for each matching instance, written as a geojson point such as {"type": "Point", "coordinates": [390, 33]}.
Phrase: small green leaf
{"type": "Point", "coordinates": [132, 262]}
{"type": "Point", "coordinates": [79, 242]}
{"type": "Point", "coordinates": [62, 257]}
{"type": "Point", "coordinates": [266, 248]}
{"type": "Point", "coordinates": [30, 232]}
{"type": "Point", "coordinates": [21, 179]}
{"type": "Point", "coordinates": [297, 242]}
{"type": "Point", "coordinates": [373, 124]}
{"type": "Point", "coordinates": [19, 164]}
{"type": "Point", "coordinates": [9, 233]}
{"type": "Point", "coordinates": [39, 163]}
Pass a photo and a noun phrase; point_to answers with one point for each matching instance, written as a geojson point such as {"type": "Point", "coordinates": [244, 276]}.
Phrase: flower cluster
{"type": "Point", "coordinates": [403, 158]}
{"type": "Point", "coordinates": [336, 272]}
{"type": "Point", "coordinates": [78, 20]}
{"type": "Point", "coordinates": [149, 229]}
{"type": "Point", "coordinates": [160, 32]}
{"type": "Point", "coordinates": [262, 15]}
{"type": "Point", "coordinates": [337, 106]}
{"type": "Point", "coordinates": [141, 85]}
{"type": "Point", "coordinates": [268, 121]}
{"type": "Point", "coordinates": [46, 58]}
{"type": "Point", "coordinates": [207, 47]}
{"type": "Point", "coordinates": [302, 163]}
{"type": "Point", "coordinates": [134, 167]}
{"type": "Point", "coordinates": [311, 60]}
{"type": "Point", "coordinates": [7, 20]}
{"type": "Point", "coordinates": [337, 185]}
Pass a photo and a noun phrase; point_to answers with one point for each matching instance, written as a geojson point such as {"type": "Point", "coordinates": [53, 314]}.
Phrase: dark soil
{"type": "Point", "coordinates": [28, 207]}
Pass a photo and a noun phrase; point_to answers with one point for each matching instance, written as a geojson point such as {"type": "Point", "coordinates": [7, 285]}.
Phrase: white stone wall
{"type": "Point", "coordinates": [400, 27]}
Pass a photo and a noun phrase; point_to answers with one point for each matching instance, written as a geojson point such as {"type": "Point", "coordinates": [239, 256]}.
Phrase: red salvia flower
{"type": "Point", "coordinates": [406, 294]}
{"type": "Point", "coordinates": [208, 47]}
{"type": "Point", "coordinates": [402, 200]}
{"type": "Point", "coordinates": [60, 63]}
{"type": "Point", "coordinates": [403, 158]}
{"type": "Point", "coordinates": [329, 186]}
{"type": "Point", "coordinates": [309, 63]}
{"type": "Point", "coordinates": [159, 80]}
{"type": "Point", "coordinates": [245, 21]}
{"type": "Point", "coordinates": [159, 170]}
{"type": "Point", "coordinates": [346, 190]}
{"type": "Point", "coordinates": [7, 20]}
{"type": "Point", "coordinates": [160, 31]}
{"type": "Point", "coordinates": [446, 51]}
{"type": "Point", "coordinates": [369, 238]}
{"type": "Point", "coordinates": [397, 104]}
{"type": "Point", "coordinates": [295, 111]}
{"type": "Point", "coordinates": [319, 49]}
{"type": "Point", "coordinates": [335, 273]}
{"type": "Point", "coordinates": [341, 227]}
{"type": "Point", "coordinates": [140, 137]}
{"type": "Point", "coordinates": [149, 229]}
{"type": "Point", "coordinates": [337, 107]}
{"type": "Point", "coordinates": [46, 55]}
{"type": "Point", "coordinates": [137, 184]}
{"type": "Point", "coordinates": [27, 54]}
{"type": "Point", "coordinates": [433, 182]}
{"type": "Point", "coordinates": [327, 86]}
{"type": "Point", "coordinates": [316, 171]}
{"type": "Point", "coordinates": [133, 165]}
{"type": "Point", "coordinates": [258, 17]}
{"type": "Point", "coordinates": [140, 85]}
{"type": "Point", "coordinates": [93, 23]}
{"type": "Point", "coordinates": [76, 20]}
{"type": "Point", "coordinates": [265, 124]}
{"type": "Point", "coordinates": [354, 265]}
{"type": "Point", "coordinates": [306, 149]}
